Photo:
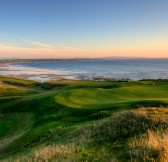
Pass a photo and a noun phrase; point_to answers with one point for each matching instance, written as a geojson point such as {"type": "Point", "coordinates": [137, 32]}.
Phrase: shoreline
{"type": "Point", "coordinates": [5, 64]}
{"type": "Point", "coordinates": [44, 75]}
{"type": "Point", "coordinates": [57, 78]}
{"type": "Point", "coordinates": [13, 69]}
{"type": "Point", "coordinates": [27, 73]}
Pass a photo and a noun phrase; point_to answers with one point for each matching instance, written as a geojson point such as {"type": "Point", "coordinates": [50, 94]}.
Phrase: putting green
{"type": "Point", "coordinates": [93, 97]}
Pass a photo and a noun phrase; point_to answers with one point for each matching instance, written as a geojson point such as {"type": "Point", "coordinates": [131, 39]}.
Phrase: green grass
{"type": "Point", "coordinates": [18, 82]}
{"type": "Point", "coordinates": [79, 120]}
{"type": "Point", "coordinates": [89, 97]}
{"type": "Point", "coordinates": [14, 122]}
{"type": "Point", "coordinates": [7, 90]}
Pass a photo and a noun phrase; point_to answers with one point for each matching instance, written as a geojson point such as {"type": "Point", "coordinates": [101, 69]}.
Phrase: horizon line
{"type": "Point", "coordinates": [110, 57]}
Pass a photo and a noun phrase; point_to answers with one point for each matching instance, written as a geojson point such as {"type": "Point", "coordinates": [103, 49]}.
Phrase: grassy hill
{"type": "Point", "coordinates": [83, 121]}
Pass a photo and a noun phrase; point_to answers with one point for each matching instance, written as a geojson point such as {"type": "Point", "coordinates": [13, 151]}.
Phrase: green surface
{"type": "Point", "coordinates": [34, 114]}
{"type": "Point", "coordinates": [6, 90]}
{"type": "Point", "coordinates": [124, 92]}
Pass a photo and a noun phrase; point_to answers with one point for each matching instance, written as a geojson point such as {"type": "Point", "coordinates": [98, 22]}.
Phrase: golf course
{"type": "Point", "coordinates": [68, 120]}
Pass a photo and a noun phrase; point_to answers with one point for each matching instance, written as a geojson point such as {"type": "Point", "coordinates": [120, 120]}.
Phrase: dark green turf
{"type": "Point", "coordinates": [36, 108]}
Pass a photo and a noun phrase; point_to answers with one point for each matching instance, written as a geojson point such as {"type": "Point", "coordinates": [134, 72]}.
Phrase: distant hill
{"type": "Point", "coordinates": [116, 57]}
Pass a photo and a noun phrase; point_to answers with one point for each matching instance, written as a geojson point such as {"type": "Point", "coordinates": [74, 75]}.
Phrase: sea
{"type": "Point", "coordinates": [98, 69]}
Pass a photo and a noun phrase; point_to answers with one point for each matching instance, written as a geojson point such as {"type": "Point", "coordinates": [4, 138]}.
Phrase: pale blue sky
{"type": "Point", "coordinates": [105, 27]}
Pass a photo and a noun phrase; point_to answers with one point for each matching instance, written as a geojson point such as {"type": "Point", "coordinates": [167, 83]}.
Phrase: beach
{"type": "Point", "coordinates": [110, 70]}
{"type": "Point", "coordinates": [42, 75]}
{"type": "Point", "coordinates": [4, 64]}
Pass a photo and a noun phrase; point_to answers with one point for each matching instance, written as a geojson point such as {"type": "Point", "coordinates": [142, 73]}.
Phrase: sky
{"type": "Point", "coordinates": [83, 28]}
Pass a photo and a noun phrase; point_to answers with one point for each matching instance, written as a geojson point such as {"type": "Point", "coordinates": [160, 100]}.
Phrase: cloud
{"type": "Point", "coordinates": [36, 49]}
{"type": "Point", "coordinates": [37, 44]}
{"type": "Point", "coordinates": [59, 47]}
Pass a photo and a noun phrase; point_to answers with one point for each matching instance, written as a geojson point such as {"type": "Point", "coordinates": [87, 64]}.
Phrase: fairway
{"type": "Point", "coordinates": [13, 126]}
{"type": "Point", "coordinates": [84, 81]}
{"type": "Point", "coordinates": [126, 92]}
{"type": "Point", "coordinates": [47, 120]}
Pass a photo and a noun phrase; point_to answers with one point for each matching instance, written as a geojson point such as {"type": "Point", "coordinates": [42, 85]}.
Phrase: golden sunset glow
{"type": "Point", "coordinates": [84, 30]}
{"type": "Point", "coordinates": [155, 50]}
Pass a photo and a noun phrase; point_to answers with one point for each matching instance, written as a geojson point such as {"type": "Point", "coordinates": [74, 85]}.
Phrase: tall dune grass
{"type": "Point", "coordinates": [142, 134]}
{"type": "Point", "coordinates": [151, 146]}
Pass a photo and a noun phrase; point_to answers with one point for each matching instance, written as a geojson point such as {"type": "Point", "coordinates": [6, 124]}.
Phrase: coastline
{"type": "Point", "coordinates": [114, 71]}
{"type": "Point", "coordinates": [4, 64]}
{"type": "Point", "coordinates": [10, 69]}
{"type": "Point", "coordinates": [43, 75]}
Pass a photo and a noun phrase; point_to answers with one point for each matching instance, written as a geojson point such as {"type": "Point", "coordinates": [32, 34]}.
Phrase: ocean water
{"type": "Point", "coordinates": [134, 69]}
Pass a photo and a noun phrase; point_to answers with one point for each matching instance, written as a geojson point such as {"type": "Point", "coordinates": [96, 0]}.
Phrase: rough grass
{"type": "Point", "coordinates": [17, 82]}
{"type": "Point", "coordinates": [140, 135]}
{"type": "Point", "coordinates": [7, 90]}
{"type": "Point", "coordinates": [63, 153]}
{"type": "Point", "coordinates": [124, 125]}
{"type": "Point", "coordinates": [84, 121]}
{"type": "Point", "coordinates": [151, 146]}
